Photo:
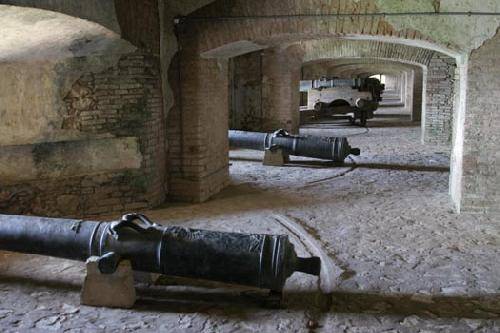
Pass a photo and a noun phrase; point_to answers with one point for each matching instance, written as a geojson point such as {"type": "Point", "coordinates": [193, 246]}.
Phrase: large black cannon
{"type": "Point", "coordinates": [328, 148]}
{"type": "Point", "coordinates": [262, 261]}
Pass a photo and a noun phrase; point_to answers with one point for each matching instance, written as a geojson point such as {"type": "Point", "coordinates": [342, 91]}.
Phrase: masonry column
{"type": "Point", "coordinates": [416, 114]}
{"type": "Point", "coordinates": [280, 89]}
{"type": "Point", "coordinates": [409, 83]}
{"type": "Point", "coordinates": [198, 125]}
{"type": "Point", "coordinates": [439, 109]}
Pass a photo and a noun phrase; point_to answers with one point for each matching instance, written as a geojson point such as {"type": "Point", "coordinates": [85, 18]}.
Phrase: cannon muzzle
{"type": "Point", "coordinates": [262, 261]}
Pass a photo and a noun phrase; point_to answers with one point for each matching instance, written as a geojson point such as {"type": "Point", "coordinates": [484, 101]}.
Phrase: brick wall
{"type": "Point", "coordinates": [438, 125]}
{"type": "Point", "coordinates": [122, 101]}
{"type": "Point", "coordinates": [481, 157]}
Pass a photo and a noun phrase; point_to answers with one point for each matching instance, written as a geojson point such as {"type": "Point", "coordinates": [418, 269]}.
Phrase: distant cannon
{"type": "Point", "coordinates": [359, 97]}
{"type": "Point", "coordinates": [329, 148]}
{"type": "Point", "coordinates": [262, 261]}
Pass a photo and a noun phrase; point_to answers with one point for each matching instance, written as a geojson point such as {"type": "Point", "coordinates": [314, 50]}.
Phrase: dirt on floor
{"type": "Point", "coordinates": [395, 257]}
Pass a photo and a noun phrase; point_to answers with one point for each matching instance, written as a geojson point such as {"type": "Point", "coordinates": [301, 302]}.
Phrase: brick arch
{"type": "Point", "coordinates": [230, 28]}
{"type": "Point", "coordinates": [438, 105]}
{"type": "Point", "coordinates": [367, 70]}
{"type": "Point", "coordinates": [313, 68]}
{"type": "Point", "coordinates": [320, 50]}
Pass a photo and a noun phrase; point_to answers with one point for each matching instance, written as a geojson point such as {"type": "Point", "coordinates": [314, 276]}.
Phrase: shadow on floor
{"type": "Point", "coordinates": [191, 299]}
{"type": "Point", "coordinates": [318, 164]}
{"type": "Point", "coordinates": [380, 121]}
{"type": "Point", "coordinates": [391, 123]}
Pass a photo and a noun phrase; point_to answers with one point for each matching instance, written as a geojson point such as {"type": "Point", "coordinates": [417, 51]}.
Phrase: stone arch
{"type": "Point", "coordinates": [102, 12]}
{"type": "Point", "coordinates": [317, 50]}
{"type": "Point", "coordinates": [28, 35]}
{"type": "Point", "coordinates": [206, 50]}
{"type": "Point", "coordinates": [230, 28]}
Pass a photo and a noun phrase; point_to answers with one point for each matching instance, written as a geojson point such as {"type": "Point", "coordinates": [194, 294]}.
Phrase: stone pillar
{"type": "Point", "coordinates": [281, 71]}
{"type": "Point", "coordinates": [199, 148]}
{"type": "Point", "coordinates": [409, 84]}
{"type": "Point", "coordinates": [440, 100]}
{"type": "Point", "coordinates": [416, 114]}
{"type": "Point", "coordinates": [476, 161]}
{"type": "Point", "coordinates": [402, 87]}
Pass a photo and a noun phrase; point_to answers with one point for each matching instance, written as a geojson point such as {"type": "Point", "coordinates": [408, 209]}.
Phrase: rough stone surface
{"type": "Point", "coordinates": [275, 157]}
{"type": "Point", "coordinates": [115, 290]}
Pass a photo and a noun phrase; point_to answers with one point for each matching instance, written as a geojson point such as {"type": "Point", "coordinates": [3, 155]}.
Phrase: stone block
{"type": "Point", "coordinates": [108, 290]}
{"type": "Point", "coordinates": [275, 157]}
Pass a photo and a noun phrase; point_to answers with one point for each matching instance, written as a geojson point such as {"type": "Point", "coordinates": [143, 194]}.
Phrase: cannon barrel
{"type": "Point", "coordinates": [262, 261]}
{"type": "Point", "coordinates": [328, 148]}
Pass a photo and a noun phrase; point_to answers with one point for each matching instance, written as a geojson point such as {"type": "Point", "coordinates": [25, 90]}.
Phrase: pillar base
{"type": "Point", "coordinates": [108, 290]}
{"type": "Point", "coordinates": [275, 157]}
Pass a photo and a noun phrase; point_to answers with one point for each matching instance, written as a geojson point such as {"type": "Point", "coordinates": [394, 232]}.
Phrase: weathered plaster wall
{"type": "Point", "coordinates": [102, 12]}
{"type": "Point", "coordinates": [82, 122]}
{"type": "Point", "coordinates": [438, 122]}
{"type": "Point", "coordinates": [28, 35]}
{"type": "Point", "coordinates": [103, 136]}
{"type": "Point", "coordinates": [481, 155]}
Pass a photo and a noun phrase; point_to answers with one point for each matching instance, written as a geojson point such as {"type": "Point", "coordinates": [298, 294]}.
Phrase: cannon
{"type": "Point", "coordinates": [359, 97]}
{"type": "Point", "coordinates": [262, 261]}
{"type": "Point", "coordinates": [328, 148]}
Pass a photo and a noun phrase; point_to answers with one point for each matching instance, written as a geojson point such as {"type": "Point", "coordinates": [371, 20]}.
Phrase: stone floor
{"type": "Point", "coordinates": [395, 257]}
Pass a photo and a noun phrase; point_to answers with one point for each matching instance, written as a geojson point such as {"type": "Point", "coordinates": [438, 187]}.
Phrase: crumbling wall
{"type": "Point", "coordinates": [84, 135]}
{"type": "Point", "coordinates": [101, 151]}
